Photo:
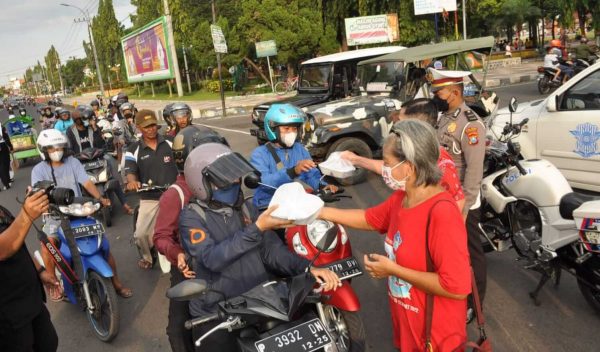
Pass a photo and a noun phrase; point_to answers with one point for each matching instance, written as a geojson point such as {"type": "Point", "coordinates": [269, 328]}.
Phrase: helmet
{"type": "Point", "coordinates": [282, 115]}
{"type": "Point", "coordinates": [181, 109]}
{"type": "Point", "coordinates": [22, 112]}
{"type": "Point", "coordinates": [214, 166]}
{"type": "Point", "coordinates": [61, 111]}
{"type": "Point", "coordinates": [94, 103]}
{"type": "Point", "coordinates": [556, 43]}
{"type": "Point", "coordinates": [166, 114]}
{"type": "Point", "coordinates": [51, 138]}
{"type": "Point", "coordinates": [87, 113]}
{"type": "Point", "coordinates": [126, 106]}
{"type": "Point", "coordinates": [120, 99]}
{"type": "Point", "coordinates": [189, 138]}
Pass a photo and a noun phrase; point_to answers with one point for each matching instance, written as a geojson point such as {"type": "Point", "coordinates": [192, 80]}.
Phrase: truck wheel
{"type": "Point", "coordinates": [358, 147]}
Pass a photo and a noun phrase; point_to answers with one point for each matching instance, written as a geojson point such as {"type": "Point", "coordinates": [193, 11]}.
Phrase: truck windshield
{"type": "Point", "coordinates": [315, 76]}
{"type": "Point", "coordinates": [379, 77]}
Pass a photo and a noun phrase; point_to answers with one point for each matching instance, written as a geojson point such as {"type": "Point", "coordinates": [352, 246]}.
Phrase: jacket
{"type": "Point", "coordinates": [94, 137]}
{"type": "Point", "coordinates": [231, 255]}
{"type": "Point", "coordinates": [271, 175]}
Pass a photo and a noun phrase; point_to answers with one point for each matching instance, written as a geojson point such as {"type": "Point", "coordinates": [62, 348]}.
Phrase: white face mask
{"type": "Point", "coordinates": [56, 155]}
{"type": "Point", "coordinates": [289, 139]}
{"type": "Point", "coordinates": [390, 181]}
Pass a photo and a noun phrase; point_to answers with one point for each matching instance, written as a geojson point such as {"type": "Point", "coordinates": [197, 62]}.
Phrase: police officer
{"type": "Point", "coordinates": [462, 133]}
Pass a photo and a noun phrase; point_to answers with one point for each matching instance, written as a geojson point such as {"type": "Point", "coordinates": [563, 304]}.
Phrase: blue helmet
{"type": "Point", "coordinates": [283, 115]}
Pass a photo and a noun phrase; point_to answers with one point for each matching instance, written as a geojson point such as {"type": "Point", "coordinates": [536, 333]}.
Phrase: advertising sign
{"type": "Point", "coordinates": [218, 39]}
{"type": "Point", "coordinates": [146, 53]}
{"type": "Point", "coordinates": [424, 7]}
{"type": "Point", "coordinates": [371, 29]}
{"type": "Point", "coordinates": [266, 48]}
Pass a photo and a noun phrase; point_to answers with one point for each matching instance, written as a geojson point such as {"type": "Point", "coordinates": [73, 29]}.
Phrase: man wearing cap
{"type": "Point", "coordinates": [149, 161]}
{"type": "Point", "coordinates": [462, 133]}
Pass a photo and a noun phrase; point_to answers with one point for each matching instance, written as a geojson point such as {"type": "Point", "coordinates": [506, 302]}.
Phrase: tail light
{"type": "Point", "coordinates": [540, 69]}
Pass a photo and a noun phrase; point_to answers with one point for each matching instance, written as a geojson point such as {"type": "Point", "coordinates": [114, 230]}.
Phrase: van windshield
{"type": "Point", "coordinates": [379, 77]}
{"type": "Point", "coordinates": [315, 76]}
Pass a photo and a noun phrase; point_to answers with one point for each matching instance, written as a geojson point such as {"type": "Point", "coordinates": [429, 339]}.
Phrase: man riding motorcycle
{"type": "Point", "coordinates": [181, 116]}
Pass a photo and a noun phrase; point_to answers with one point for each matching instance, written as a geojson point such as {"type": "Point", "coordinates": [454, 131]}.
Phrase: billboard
{"type": "Point", "coordinates": [424, 7]}
{"type": "Point", "coordinates": [146, 54]}
{"type": "Point", "coordinates": [266, 48]}
{"type": "Point", "coordinates": [371, 29]}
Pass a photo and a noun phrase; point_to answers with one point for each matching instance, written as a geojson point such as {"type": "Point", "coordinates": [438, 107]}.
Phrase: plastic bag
{"type": "Point", "coordinates": [295, 204]}
{"type": "Point", "coordinates": [336, 166]}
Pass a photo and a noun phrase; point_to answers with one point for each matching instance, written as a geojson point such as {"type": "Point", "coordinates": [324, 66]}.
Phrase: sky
{"type": "Point", "coordinates": [29, 27]}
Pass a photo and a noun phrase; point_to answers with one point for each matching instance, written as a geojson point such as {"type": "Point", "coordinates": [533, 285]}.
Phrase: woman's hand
{"type": "Point", "coordinates": [327, 278]}
{"type": "Point", "coordinates": [378, 266]}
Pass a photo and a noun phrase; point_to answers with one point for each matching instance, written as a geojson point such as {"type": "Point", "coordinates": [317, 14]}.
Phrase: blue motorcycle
{"type": "Point", "coordinates": [93, 290]}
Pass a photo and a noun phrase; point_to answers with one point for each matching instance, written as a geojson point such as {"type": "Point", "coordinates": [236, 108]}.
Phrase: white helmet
{"type": "Point", "coordinates": [51, 138]}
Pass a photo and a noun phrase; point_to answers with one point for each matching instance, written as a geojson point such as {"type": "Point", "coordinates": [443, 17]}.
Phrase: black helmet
{"type": "Point", "coordinates": [181, 109]}
{"type": "Point", "coordinates": [166, 113]}
{"type": "Point", "coordinates": [126, 106]}
{"type": "Point", "coordinates": [22, 111]}
{"type": "Point", "coordinates": [189, 138]}
{"type": "Point", "coordinates": [121, 98]}
{"type": "Point", "coordinates": [95, 102]}
{"type": "Point", "coordinates": [88, 113]}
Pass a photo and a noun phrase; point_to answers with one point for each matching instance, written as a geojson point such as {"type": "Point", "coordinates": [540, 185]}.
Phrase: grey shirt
{"type": "Point", "coordinates": [68, 175]}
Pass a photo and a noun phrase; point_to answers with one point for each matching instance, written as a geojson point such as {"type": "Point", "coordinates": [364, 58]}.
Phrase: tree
{"type": "Point", "coordinates": [73, 72]}
{"type": "Point", "coordinates": [107, 37]}
{"type": "Point", "coordinates": [146, 11]}
{"type": "Point", "coordinates": [52, 61]}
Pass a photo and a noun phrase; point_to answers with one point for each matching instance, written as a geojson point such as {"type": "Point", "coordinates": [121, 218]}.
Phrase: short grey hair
{"type": "Point", "coordinates": [416, 142]}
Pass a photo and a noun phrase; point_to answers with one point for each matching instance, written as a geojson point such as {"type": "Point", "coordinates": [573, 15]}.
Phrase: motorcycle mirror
{"type": "Point", "coordinates": [513, 105]}
{"type": "Point", "coordinates": [187, 290]}
{"type": "Point", "coordinates": [252, 180]}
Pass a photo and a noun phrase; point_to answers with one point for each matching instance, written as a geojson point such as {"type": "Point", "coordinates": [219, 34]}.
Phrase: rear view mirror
{"type": "Point", "coordinates": [252, 180]}
{"type": "Point", "coordinates": [513, 104]}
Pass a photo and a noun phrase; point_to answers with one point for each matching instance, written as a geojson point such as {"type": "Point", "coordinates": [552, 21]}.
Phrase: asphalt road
{"type": "Point", "coordinates": [563, 322]}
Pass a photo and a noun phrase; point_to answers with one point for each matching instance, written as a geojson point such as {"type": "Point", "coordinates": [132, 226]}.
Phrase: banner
{"type": "Point", "coordinates": [218, 39]}
{"type": "Point", "coordinates": [146, 53]}
{"type": "Point", "coordinates": [371, 29]}
{"type": "Point", "coordinates": [266, 48]}
{"type": "Point", "coordinates": [424, 7]}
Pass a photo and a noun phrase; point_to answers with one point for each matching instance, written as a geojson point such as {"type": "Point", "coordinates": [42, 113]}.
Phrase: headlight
{"type": "Point", "coordinates": [103, 176]}
{"type": "Point", "coordinates": [80, 210]}
{"type": "Point", "coordinates": [317, 229]}
{"type": "Point", "coordinates": [298, 246]}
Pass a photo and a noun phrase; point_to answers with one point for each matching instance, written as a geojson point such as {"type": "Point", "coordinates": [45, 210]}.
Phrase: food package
{"type": "Point", "coordinates": [336, 166]}
{"type": "Point", "coordinates": [295, 204]}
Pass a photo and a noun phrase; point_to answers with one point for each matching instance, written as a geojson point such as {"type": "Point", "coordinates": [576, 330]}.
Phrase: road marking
{"type": "Point", "coordinates": [225, 129]}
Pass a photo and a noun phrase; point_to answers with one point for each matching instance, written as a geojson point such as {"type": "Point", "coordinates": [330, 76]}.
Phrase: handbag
{"type": "Point", "coordinates": [483, 344]}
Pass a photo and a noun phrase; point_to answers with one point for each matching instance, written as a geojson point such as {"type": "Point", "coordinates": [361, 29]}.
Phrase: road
{"type": "Point", "coordinates": [563, 322]}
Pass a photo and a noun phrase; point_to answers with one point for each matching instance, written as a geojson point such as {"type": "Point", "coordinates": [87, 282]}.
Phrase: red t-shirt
{"type": "Point", "coordinates": [405, 245]}
{"type": "Point", "coordinates": [450, 180]}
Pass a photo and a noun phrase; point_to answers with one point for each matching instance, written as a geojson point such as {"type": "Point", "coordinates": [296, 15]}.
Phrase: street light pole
{"type": "Point", "coordinates": [187, 71]}
{"type": "Point", "coordinates": [86, 18]}
{"type": "Point", "coordinates": [172, 48]}
{"type": "Point", "coordinates": [464, 8]}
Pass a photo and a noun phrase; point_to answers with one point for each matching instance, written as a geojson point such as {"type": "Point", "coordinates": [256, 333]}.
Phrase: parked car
{"type": "Point", "coordinates": [564, 129]}
{"type": "Point", "coordinates": [321, 79]}
{"type": "Point", "coordinates": [360, 123]}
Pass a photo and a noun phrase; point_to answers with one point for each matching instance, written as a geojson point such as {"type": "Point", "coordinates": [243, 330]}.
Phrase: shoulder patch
{"type": "Point", "coordinates": [197, 236]}
{"type": "Point", "coordinates": [472, 135]}
{"type": "Point", "coordinates": [471, 115]}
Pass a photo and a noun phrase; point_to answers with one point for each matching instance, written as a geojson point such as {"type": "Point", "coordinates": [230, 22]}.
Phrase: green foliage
{"type": "Point", "coordinates": [107, 37]}
{"type": "Point", "coordinates": [52, 62]}
{"type": "Point", "coordinates": [214, 86]}
{"type": "Point", "coordinates": [73, 72]}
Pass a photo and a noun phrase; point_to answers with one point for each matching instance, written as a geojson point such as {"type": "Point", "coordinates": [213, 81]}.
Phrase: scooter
{"type": "Point", "coordinates": [275, 316]}
{"type": "Point", "coordinates": [528, 205]}
{"type": "Point", "coordinates": [83, 244]}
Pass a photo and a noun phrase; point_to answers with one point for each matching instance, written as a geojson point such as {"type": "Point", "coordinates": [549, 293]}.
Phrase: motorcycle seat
{"type": "Point", "coordinates": [571, 201]}
{"type": "Point", "coordinates": [550, 69]}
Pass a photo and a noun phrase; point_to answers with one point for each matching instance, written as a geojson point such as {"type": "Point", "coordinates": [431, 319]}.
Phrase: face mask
{"type": "Point", "coordinates": [390, 181]}
{"type": "Point", "coordinates": [228, 196]}
{"type": "Point", "coordinates": [441, 104]}
{"type": "Point", "coordinates": [289, 139]}
{"type": "Point", "coordinates": [86, 123]}
{"type": "Point", "coordinates": [56, 155]}
{"type": "Point", "coordinates": [128, 115]}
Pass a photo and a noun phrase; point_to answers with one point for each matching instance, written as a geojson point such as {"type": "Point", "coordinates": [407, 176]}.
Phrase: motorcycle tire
{"type": "Point", "coordinates": [588, 281]}
{"type": "Point", "coordinates": [348, 329]}
{"type": "Point", "coordinates": [358, 147]}
{"type": "Point", "coordinates": [544, 85]}
{"type": "Point", "coordinates": [104, 318]}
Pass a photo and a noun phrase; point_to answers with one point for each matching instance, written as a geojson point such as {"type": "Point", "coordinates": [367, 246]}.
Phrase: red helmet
{"type": "Point", "coordinates": [555, 43]}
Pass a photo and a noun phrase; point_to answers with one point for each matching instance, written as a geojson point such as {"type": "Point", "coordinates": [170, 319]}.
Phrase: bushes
{"type": "Point", "coordinates": [213, 85]}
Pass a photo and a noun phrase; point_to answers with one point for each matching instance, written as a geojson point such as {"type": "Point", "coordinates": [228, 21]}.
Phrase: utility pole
{"type": "Point", "coordinates": [464, 8]}
{"type": "Point", "coordinates": [62, 86]}
{"type": "Point", "coordinates": [173, 50]}
{"type": "Point", "coordinates": [214, 18]}
{"type": "Point", "coordinates": [86, 18]}
{"type": "Point", "coordinates": [187, 71]}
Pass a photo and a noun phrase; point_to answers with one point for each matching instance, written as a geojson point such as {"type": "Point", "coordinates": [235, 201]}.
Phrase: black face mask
{"type": "Point", "coordinates": [441, 104]}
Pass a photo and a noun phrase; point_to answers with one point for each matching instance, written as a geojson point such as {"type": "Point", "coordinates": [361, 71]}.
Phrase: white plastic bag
{"type": "Point", "coordinates": [295, 204]}
{"type": "Point", "coordinates": [336, 166]}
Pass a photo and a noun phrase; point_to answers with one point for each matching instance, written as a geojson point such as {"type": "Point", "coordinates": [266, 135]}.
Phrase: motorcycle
{"type": "Point", "coordinates": [546, 82]}
{"type": "Point", "coordinates": [276, 316]}
{"type": "Point", "coordinates": [340, 307]}
{"type": "Point", "coordinates": [83, 243]}
{"type": "Point", "coordinates": [528, 205]}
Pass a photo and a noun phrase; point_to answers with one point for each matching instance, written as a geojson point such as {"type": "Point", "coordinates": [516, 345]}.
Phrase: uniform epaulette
{"type": "Point", "coordinates": [471, 116]}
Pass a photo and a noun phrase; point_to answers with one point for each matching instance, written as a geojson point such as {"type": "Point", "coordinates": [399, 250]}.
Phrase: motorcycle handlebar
{"type": "Point", "coordinates": [189, 324]}
{"type": "Point", "coordinates": [520, 168]}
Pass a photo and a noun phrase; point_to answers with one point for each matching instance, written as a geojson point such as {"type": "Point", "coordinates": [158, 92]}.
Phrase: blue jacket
{"type": "Point", "coordinates": [63, 125]}
{"type": "Point", "coordinates": [263, 161]}
{"type": "Point", "coordinates": [231, 255]}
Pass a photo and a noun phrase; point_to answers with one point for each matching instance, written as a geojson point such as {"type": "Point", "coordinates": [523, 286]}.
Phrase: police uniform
{"type": "Point", "coordinates": [462, 133]}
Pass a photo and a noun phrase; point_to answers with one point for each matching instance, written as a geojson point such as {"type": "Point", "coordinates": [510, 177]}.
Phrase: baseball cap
{"type": "Point", "coordinates": [145, 118]}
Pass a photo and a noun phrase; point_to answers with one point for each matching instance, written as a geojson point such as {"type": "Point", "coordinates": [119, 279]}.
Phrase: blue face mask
{"type": "Point", "coordinates": [227, 196]}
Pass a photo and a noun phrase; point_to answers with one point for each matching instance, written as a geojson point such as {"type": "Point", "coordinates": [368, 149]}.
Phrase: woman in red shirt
{"type": "Point", "coordinates": [410, 156]}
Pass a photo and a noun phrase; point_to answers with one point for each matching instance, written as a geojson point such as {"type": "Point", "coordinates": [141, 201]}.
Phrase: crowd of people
{"type": "Point", "coordinates": [207, 228]}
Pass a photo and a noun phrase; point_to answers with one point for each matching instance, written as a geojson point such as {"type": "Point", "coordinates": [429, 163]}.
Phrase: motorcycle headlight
{"type": "Point", "coordinates": [80, 210]}
{"type": "Point", "coordinates": [103, 176]}
{"type": "Point", "coordinates": [298, 246]}
{"type": "Point", "coordinates": [317, 229]}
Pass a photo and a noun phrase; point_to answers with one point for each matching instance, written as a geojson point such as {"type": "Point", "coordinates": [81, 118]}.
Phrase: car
{"type": "Point", "coordinates": [563, 128]}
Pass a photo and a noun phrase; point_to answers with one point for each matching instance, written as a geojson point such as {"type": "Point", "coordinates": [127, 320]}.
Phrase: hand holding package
{"type": "Point", "coordinates": [336, 166]}
{"type": "Point", "coordinates": [295, 204]}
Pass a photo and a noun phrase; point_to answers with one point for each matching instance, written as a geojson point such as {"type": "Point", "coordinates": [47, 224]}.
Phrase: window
{"type": "Point", "coordinates": [584, 95]}
{"type": "Point", "coordinates": [315, 76]}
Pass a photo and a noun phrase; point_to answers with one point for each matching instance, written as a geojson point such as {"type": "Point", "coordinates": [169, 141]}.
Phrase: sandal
{"type": "Point", "coordinates": [124, 292]}
{"type": "Point", "coordinates": [143, 264]}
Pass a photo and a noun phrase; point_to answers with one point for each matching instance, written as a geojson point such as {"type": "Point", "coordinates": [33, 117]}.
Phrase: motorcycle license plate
{"type": "Point", "coordinates": [93, 164]}
{"type": "Point", "coordinates": [305, 337]}
{"type": "Point", "coordinates": [88, 230]}
{"type": "Point", "coordinates": [346, 268]}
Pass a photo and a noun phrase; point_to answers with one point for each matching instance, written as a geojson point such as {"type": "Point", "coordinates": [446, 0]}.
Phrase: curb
{"type": "Point", "coordinates": [510, 80]}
